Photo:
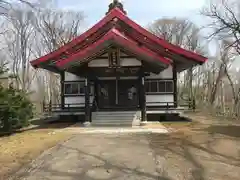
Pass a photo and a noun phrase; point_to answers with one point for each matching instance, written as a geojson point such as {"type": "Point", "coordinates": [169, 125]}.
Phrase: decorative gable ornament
{"type": "Point", "coordinates": [116, 4]}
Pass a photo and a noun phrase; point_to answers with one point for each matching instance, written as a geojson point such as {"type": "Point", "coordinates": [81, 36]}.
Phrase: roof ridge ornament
{"type": "Point", "coordinates": [116, 4]}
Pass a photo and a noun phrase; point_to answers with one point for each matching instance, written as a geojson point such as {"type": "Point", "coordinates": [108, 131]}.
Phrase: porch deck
{"type": "Point", "coordinates": [79, 109]}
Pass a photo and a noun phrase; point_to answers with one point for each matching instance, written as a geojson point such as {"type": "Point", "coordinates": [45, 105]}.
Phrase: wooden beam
{"type": "Point", "coordinates": [125, 57]}
{"type": "Point", "coordinates": [87, 100]}
{"type": "Point", "coordinates": [175, 93]}
{"type": "Point", "coordinates": [143, 96]}
{"type": "Point", "coordinates": [62, 78]}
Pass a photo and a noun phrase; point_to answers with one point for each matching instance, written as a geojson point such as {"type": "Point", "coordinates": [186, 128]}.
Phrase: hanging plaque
{"type": "Point", "coordinates": [114, 58]}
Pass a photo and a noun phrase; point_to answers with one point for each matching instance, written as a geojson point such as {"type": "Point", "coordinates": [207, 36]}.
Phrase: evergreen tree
{"type": "Point", "coordinates": [15, 108]}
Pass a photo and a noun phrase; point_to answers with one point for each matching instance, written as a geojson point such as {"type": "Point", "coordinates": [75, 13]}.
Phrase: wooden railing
{"type": "Point", "coordinates": [73, 107]}
{"type": "Point", "coordinates": [80, 107]}
{"type": "Point", "coordinates": [172, 105]}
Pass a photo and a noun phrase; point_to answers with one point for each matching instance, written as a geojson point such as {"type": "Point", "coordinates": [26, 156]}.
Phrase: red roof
{"type": "Point", "coordinates": [117, 38]}
{"type": "Point", "coordinates": [119, 15]}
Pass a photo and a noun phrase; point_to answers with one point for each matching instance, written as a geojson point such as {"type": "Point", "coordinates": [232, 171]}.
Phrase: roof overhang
{"type": "Point", "coordinates": [113, 38]}
{"type": "Point", "coordinates": [113, 17]}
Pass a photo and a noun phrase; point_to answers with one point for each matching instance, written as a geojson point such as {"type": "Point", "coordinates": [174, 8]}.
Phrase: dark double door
{"type": "Point", "coordinates": [118, 94]}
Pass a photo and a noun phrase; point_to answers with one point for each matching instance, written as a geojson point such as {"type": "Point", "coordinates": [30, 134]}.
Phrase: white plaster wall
{"type": "Point", "coordinates": [167, 73]}
{"type": "Point", "coordinates": [123, 62]}
{"type": "Point", "coordinates": [72, 77]}
{"type": "Point", "coordinates": [159, 98]}
{"type": "Point", "coordinates": [77, 100]}
{"type": "Point", "coordinates": [130, 62]}
{"type": "Point", "coordinates": [98, 63]}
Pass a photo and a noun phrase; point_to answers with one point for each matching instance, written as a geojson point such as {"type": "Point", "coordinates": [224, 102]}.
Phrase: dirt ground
{"type": "Point", "coordinates": [19, 149]}
{"type": "Point", "coordinates": [205, 149]}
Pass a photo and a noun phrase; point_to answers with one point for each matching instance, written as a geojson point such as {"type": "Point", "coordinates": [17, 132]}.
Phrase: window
{"type": "Point", "coordinates": [75, 88]}
{"type": "Point", "coordinates": [169, 86]}
{"type": "Point", "coordinates": [159, 86]}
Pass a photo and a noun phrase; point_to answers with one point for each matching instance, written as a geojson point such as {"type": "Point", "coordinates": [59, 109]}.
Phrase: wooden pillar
{"type": "Point", "coordinates": [62, 79]}
{"type": "Point", "coordinates": [87, 101]}
{"type": "Point", "coordinates": [143, 97]}
{"type": "Point", "coordinates": [175, 91]}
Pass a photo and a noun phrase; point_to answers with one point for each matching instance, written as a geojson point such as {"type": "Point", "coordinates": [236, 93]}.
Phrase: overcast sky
{"type": "Point", "coordinates": [142, 11]}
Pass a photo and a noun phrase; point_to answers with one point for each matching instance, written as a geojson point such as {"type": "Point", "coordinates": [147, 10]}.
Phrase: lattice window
{"type": "Point", "coordinates": [159, 86]}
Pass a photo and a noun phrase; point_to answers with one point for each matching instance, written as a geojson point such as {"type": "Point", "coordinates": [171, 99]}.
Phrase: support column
{"type": "Point", "coordinates": [62, 79]}
{"type": "Point", "coordinates": [87, 101]}
{"type": "Point", "coordinates": [117, 93]}
{"type": "Point", "coordinates": [175, 91]}
{"type": "Point", "coordinates": [143, 98]}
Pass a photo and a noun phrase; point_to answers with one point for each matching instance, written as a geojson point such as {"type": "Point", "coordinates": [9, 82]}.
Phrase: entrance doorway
{"type": "Point", "coordinates": [118, 94]}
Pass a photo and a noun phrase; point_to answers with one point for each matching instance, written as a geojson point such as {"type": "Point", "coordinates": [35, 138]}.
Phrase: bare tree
{"type": "Point", "coordinates": [225, 21]}
{"type": "Point", "coordinates": [6, 5]}
{"type": "Point", "coordinates": [224, 60]}
{"type": "Point", "coordinates": [173, 30]}
{"type": "Point", "coordinates": [182, 33]}
{"type": "Point", "coordinates": [58, 27]}
{"type": "Point", "coordinates": [19, 41]}
{"type": "Point", "coordinates": [55, 28]}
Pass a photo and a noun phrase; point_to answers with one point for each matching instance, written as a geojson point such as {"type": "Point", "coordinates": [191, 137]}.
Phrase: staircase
{"type": "Point", "coordinates": [116, 118]}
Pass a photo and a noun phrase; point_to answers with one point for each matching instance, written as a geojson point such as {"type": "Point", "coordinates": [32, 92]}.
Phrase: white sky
{"type": "Point", "coordinates": [142, 11]}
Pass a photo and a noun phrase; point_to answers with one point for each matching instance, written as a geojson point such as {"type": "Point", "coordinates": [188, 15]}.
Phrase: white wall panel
{"type": "Point", "coordinates": [123, 62]}
{"type": "Point", "coordinates": [130, 62]}
{"type": "Point", "coordinates": [152, 100]}
{"type": "Point", "coordinates": [166, 74]}
{"type": "Point", "coordinates": [77, 100]}
{"type": "Point", "coordinates": [99, 63]}
{"type": "Point", "coordinates": [72, 77]}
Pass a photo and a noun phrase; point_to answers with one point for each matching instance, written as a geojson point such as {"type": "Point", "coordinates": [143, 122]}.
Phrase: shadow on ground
{"type": "Point", "coordinates": [43, 124]}
{"type": "Point", "coordinates": [55, 123]}
{"type": "Point", "coordinates": [205, 154]}
{"type": "Point", "coordinates": [233, 131]}
{"type": "Point", "coordinates": [108, 160]}
{"type": "Point", "coordinates": [168, 118]}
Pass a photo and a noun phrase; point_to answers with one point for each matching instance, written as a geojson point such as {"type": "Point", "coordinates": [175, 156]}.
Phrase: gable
{"type": "Point", "coordinates": [117, 18]}
{"type": "Point", "coordinates": [113, 37]}
{"type": "Point", "coordinates": [125, 60]}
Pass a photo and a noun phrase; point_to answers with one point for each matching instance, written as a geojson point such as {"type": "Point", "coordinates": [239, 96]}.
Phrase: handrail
{"type": "Point", "coordinates": [191, 105]}
{"type": "Point", "coordinates": [170, 105]}
{"type": "Point", "coordinates": [66, 107]}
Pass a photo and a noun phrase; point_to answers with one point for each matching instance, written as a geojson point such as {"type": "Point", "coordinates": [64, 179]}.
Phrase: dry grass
{"type": "Point", "coordinates": [21, 148]}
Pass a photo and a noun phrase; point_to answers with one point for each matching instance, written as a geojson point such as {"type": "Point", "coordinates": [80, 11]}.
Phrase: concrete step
{"type": "Point", "coordinates": [135, 123]}
{"type": "Point", "coordinates": [109, 121]}
{"type": "Point", "coordinates": [118, 122]}
{"type": "Point", "coordinates": [115, 112]}
{"type": "Point", "coordinates": [113, 118]}
{"type": "Point", "coordinates": [124, 118]}
{"type": "Point", "coordinates": [111, 125]}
